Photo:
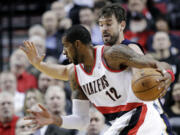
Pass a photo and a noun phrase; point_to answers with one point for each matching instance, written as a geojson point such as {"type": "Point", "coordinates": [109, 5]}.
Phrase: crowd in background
{"type": "Point", "coordinates": [23, 87]}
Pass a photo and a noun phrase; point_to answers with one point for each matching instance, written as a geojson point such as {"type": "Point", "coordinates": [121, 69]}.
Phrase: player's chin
{"type": "Point", "coordinates": [107, 42]}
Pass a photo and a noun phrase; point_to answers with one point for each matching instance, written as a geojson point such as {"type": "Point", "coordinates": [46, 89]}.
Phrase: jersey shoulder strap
{"type": "Point", "coordinates": [127, 42]}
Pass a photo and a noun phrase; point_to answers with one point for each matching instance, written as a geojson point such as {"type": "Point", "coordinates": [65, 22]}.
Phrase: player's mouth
{"type": "Point", "coordinates": [106, 35]}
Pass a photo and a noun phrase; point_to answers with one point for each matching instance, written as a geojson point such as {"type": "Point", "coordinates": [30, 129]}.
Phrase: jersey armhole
{"type": "Point", "coordinates": [107, 67]}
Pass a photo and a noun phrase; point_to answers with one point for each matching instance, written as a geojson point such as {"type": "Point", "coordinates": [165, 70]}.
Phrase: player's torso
{"type": "Point", "coordinates": [105, 87]}
{"type": "Point", "coordinates": [111, 93]}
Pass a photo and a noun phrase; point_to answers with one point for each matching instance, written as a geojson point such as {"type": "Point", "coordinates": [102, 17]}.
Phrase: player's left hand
{"type": "Point", "coordinates": [165, 80]}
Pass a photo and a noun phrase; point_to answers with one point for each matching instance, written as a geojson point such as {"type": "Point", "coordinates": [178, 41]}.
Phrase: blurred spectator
{"type": "Point", "coordinates": [97, 124]}
{"type": "Point", "coordinates": [22, 128]}
{"type": "Point", "coordinates": [58, 82]}
{"type": "Point", "coordinates": [87, 17]}
{"type": "Point", "coordinates": [37, 30]}
{"type": "Point", "coordinates": [138, 30]}
{"type": "Point", "coordinates": [55, 102]}
{"type": "Point", "coordinates": [65, 24]}
{"type": "Point", "coordinates": [68, 5]}
{"type": "Point", "coordinates": [18, 65]}
{"type": "Point", "coordinates": [174, 13]}
{"type": "Point", "coordinates": [146, 7]}
{"type": "Point", "coordinates": [161, 24]}
{"type": "Point", "coordinates": [173, 111]}
{"type": "Point", "coordinates": [74, 12]}
{"type": "Point", "coordinates": [32, 97]}
{"type": "Point", "coordinates": [58, 8]}
{"type": "Point", "coordinates": [50, 23]}
{"type": "Point", "coordinates": [8, 83]}
{"type": "Point", "coordinates": [7, 118]}
{"type": "Point", "coordinates": [44, 82]}
{"type": "Point", "coordinates": [164, 51]}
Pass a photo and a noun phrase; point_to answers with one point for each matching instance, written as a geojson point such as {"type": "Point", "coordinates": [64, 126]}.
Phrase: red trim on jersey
{"type": "Point", "coordinates": [115, 109]}
{"type": "Point", "coordinates": [77, 80]}
{"type": "Point", "coordinates": [111, 70]}
{"type": "Point", "coordinates": [93, 66]}
{"type": "Point", "coordinates": [140, 122]}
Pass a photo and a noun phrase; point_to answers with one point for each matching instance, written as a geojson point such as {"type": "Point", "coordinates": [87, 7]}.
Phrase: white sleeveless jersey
{"type": "Point", "coordinates": [111, 93]}
{"type": "Point", "coordinates": [105, 87]}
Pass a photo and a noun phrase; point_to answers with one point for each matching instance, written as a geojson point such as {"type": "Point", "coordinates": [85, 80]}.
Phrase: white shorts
{"type": "Point", "coordinates": [147, 123]}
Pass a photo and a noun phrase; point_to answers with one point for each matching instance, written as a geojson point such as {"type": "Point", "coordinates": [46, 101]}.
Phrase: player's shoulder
{"type": "Point", "coordinates": [136, 48]}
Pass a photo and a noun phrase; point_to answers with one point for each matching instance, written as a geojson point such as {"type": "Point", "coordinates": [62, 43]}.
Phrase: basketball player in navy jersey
{"type": "Point", "coordinates": [103, 76]}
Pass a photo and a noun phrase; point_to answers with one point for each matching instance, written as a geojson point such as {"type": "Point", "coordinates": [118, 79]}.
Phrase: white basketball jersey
{"type": "Point", "coordinates": [105, 87]}
{"type": "Point", "coordinates": [111, 93]}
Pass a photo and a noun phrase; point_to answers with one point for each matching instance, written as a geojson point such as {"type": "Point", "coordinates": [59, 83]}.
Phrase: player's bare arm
{"type": "Point", "coordinates": [80, 111]}
{"type": "Point", "coordinates": [54, 70]}
{"type": "Point", "coordinates": [124, 55]}
{"type": "Point", "coordinates": [77, 92]}
{"type": "Point", "coordinates": [118, 55]}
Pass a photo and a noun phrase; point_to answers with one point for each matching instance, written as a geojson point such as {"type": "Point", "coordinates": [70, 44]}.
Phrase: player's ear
{"type": "Point", "coordinates": [123, 25]}
{"type": "Point", "coordinates": [77, 43]}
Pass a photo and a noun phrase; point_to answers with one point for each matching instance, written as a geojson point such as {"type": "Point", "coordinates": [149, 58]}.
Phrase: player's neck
{"type": "Point", "coordinates": [89, 59]}
{"type": "Point", "coordinates": [121, 38]}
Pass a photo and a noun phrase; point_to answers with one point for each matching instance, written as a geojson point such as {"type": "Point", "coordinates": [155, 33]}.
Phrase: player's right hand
{"type": "Point", "coordinates": [32, 53]}
{"type": "Point", "coordinates": [42, 118]}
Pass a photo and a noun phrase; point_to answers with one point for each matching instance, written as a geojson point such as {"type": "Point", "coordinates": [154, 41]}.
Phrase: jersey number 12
{"type": "Point", "coordinates": [112, 93]}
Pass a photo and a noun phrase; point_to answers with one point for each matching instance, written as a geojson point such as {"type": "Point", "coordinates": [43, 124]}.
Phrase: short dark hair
{"type": "Point", "coordinates": [78, 32]}
{"type": "Point", "coordinates": [113, 9]}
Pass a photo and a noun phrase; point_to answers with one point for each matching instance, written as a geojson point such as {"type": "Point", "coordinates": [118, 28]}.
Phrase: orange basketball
{"type": "Point", "coordinates": [145, 86]}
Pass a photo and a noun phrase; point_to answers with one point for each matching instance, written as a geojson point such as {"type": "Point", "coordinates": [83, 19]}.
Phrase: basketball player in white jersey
{"type": "Point", "coordinates": [96, 81]}
{"type": "Point", "coordinates": [102, 76]}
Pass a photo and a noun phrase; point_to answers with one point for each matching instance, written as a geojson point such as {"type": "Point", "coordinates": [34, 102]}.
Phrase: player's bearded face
{"type": "Point", "coordinates": [70, 51]}
{"type": "Point", "coordinates": [72, 55]}
{"type": "Point", "coordinates": [75, 60]}
{"type": "Point", "coordinates": [110, 39]}
{"type": "Point", "coordinates": [75, 56]}
{"type": "Point", "coordinates": [110, 29]}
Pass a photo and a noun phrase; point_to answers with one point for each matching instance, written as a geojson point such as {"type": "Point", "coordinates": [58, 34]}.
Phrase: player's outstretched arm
{"type": "Point", "coordinates": [125, 55]}
{"type": "Point", "coordinates": [54, 70]}
{"type": "Point", "coordinates": [133, 57]}
{"type": "Point", "coordinates": [80, 112]}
